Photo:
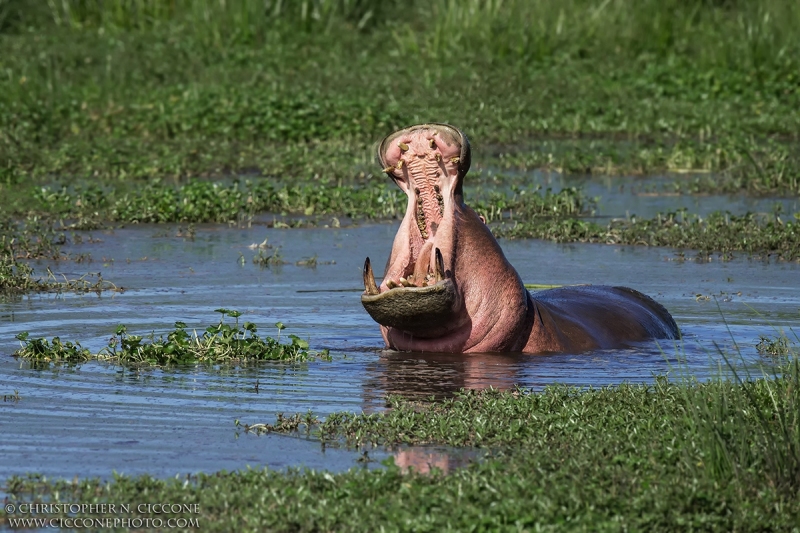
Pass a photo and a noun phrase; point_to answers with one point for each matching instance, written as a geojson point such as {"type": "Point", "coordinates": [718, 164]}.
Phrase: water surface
{"type": "Point", "coordinates": [95, 418]}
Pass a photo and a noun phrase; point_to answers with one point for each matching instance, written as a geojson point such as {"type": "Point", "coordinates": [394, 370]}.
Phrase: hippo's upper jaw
{"type": "Point", "coordinates": [444, 261]}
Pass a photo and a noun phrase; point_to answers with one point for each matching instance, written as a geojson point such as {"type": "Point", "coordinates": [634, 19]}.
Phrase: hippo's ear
{"type": "Point", "coordinates": [466, 155]}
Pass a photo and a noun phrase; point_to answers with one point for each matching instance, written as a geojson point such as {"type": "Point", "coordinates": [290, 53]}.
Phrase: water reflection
{"type": "Point", "coordinates": [420, 375]}
{"type": "Point", "coordinates": [423, 460]}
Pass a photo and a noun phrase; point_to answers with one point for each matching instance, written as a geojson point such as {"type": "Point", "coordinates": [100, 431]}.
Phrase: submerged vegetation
{"type": "Point", "coordinates": [35, 238]}
{"type": "Point", "coordinates": [219, 344]}
{"type": "Point", "coordinates": [718, 456]}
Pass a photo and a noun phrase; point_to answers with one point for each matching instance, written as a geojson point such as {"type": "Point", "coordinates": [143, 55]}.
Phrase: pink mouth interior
{"type": "Point", "coordinates": [424, 163]}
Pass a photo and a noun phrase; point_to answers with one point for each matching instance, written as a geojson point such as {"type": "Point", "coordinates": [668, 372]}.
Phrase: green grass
{"type": "Point", "coordinates": [208, 201]}
{"type": "Point", "coordinates": [717, 456]}
{"type": "Point", "coordinates": [219, 344]}
{"type": "Point", "coordinates": [119, 91]}
{"type": "Point", "coordinates": [766, 236]}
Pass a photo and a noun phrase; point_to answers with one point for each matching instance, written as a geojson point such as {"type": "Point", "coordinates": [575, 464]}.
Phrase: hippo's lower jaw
{"type": "Point", "coordinates": [429, 311]}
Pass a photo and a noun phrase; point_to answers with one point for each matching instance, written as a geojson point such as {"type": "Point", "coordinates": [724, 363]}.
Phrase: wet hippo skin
{"type": "Point", "coordinates": [449, 288]}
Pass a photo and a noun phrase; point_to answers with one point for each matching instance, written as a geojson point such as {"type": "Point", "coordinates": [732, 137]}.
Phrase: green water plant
{"type": "Point", "coordinates": [17, 277]}
{"type": "Point", "coordinates": [207, 201]}
{"type": "Point", "coordinates": [219, 344]}
{"type": "Point", "coordinates": [768, 236]}
{"type": "Point", "coordinates": [14, 398]}
{"type": "Point", "coordinates": [32, 238]}
{"type": "Point", "coordinates": [774, 345]}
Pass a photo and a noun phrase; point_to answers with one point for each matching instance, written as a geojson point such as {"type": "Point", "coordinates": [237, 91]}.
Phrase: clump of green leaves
{"type": "Point", "coordinates": [53, 351]}
{"type": "Point", "coordinates": [778, 345]}
{"type": "Point", "coordinates": [283, 424]}
{"type": "Point", "coordinates": [219, 344]}
{"type": "Point", "coordinates": [33, 237]}
{"type": "Point", "coordinates": [741, 429]}
{"type": "Point", "coordinates": [269, 259]}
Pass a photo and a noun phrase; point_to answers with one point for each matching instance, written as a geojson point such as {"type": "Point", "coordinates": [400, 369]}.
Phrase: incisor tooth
{"type": "Point", "coordinates": [403, 146]}
{"type": "Point", "coordinates": [391, 284]}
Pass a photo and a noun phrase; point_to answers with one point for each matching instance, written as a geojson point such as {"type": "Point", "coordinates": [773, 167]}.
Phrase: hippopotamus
{"type": "Point", "coordinates": [448, 287]}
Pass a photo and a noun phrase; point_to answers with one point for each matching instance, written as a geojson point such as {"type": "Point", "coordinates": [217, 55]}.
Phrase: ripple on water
{"type": "Point", "coordinates": [95, 418]}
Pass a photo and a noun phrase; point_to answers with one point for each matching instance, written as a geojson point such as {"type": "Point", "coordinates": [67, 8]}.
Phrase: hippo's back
{"type": "Point", "coordinates": [610, 311]}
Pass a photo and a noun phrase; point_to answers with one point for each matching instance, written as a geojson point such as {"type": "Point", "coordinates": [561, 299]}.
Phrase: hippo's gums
{"type": "Point", "coordinates": [449, 288]}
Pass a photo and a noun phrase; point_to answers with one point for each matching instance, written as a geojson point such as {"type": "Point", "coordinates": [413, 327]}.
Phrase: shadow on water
{"type": "Point", "coordinates": [94, 418]}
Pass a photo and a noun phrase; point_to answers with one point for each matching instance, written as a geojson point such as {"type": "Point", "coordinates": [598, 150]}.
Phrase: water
{"type": "Point", "coordinates": [645, 197]}
{"type": "Point", "coordinates": [95, 418]}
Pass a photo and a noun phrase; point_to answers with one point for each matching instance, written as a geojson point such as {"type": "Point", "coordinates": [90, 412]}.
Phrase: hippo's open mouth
{"type": "Point", "coordinates": [419, 294]}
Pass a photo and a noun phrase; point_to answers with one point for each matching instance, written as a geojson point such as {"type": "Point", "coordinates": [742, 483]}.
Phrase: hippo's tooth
{"type": "Point", "coordinates": [455, 160]}
{"type": "Point", "coordinates": [403, 146]}
{"type": "Point", "coordinates": [404, 282]}
{"type": "Point", "coordinates": [399, 165]}
{"type": "Point", "coordinates": [389, 170]}
{"type": "Point", "coordinates": [439, 266]}
{"type": "Point", "coordinates": [392, 284]}
{"type": "Point", "coordinates": [433, 143]}
{"type": "Point", "coordinates": [369, 279]}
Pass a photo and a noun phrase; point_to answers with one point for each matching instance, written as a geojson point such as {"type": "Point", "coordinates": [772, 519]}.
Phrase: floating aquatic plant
{"type": "Point", "coordinates": [219, 344]}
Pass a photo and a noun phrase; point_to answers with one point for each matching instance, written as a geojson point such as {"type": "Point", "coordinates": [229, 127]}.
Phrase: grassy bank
{"type": "Point", "coordinates": [763, 236]}
{"type": "Point", "coordinates": [719, 456]}
{"type": "Point", "coordinates": [129, 91]}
